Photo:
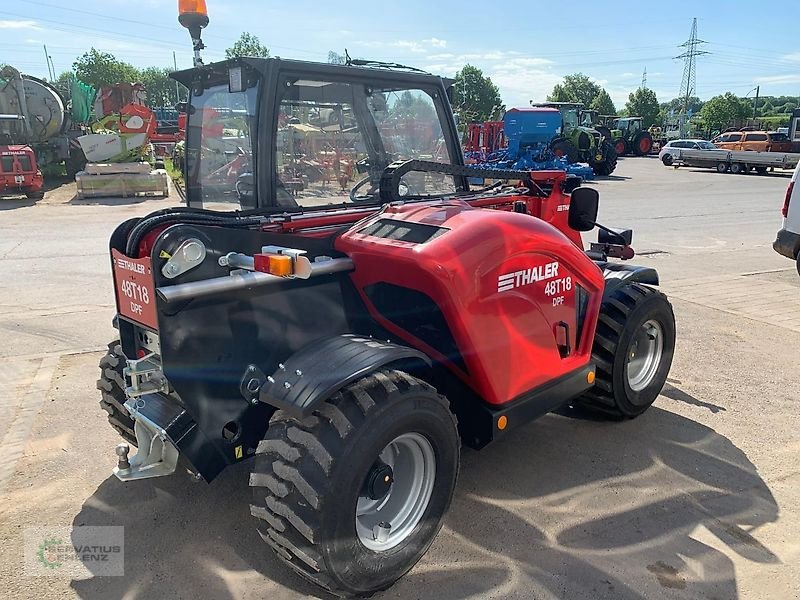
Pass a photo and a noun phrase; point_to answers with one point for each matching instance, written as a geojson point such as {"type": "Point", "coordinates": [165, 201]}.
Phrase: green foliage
{"type": "Point", "coordinates": [334, 58]}
{"type": "Point", "coordinates": [412, 106]}
{"type": "Point", "coordinates": [576, 88]}
{"type": "Point", "coordinates": [160, 88]}
{"type": "Point", "coordinates": [475, 97]}
{"type": "Point", "coordinates": [643, 103]}
{"type": "Point", "coordinates": [247, 45]}
{"type": "Point", "coordinates": [101, 68]}
{"type": "Point", "coordinates": [603, 104]}
{"type": "Point", "coordinates": [676, 106]}
{"type": "Point", "coordinates": [722, 110]}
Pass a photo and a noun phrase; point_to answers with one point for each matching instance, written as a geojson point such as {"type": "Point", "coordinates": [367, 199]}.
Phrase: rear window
{"type": "Point", "coordinates": [6, 163]}
{"type": "Point", "coordinates": [756, 137]}
{"type": "Point", "coordinates": [25, 162]}
{"type": "Point", "coordinates": [779, 137]}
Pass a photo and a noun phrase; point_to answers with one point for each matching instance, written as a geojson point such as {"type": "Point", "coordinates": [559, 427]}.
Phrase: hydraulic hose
{"type": "Point", "coordinates": [184, 215]}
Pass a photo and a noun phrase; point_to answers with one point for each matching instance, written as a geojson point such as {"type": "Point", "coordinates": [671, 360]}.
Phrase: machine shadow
{"type": "Point", "coordinates": [579, 508]}
{"type": "Point", "coordinates": [563, 507]}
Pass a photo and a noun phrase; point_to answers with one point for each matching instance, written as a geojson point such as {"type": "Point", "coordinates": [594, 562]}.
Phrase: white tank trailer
{"type": "Point", "coordinates": [33, 112]}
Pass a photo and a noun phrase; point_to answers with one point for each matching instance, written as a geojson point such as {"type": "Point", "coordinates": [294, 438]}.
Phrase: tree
{"type": "Point", "coordinates": [62, 83]}
{"type": "Point", "coordinates": [603, 104]}
{"type": "Point", "coordinates": [101, 68]}
{"type": "Point", "coordinates": [643, 103]}
{"type": "Point", "coordinates": [576, 88]}
{"type": "Point", "coordinates": [160, 88]}
{"type": "Point", "coordinates": [475, 97]}
{"type": "Point", "coordinates": [334, 58]}
{"type": "Point", "coordinates": [411, 106]}
{"type": "Point", "coordinates": [247, 45]}
{"type": "Point", "coordinates": [722, 110]}
{"type": "Point", "coordinates": [676, 105]}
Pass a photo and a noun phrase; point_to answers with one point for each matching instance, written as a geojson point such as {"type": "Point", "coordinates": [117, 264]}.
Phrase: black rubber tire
{"type": "Point", "coordinates": [34, 195]}
{"type": "Point", "coordinates": [667, 160]}
{"type": "Point", "coordinates": [608, 164]}
{"type": "Point", "coordinates": [797, 263]}
{"type": "Point", "coordinates": [566, 148]}
{"type": "Point", "coordinates": [621, 314]}
{"type": "Point", "coordinates": [112, 389]}
{"type": "Point", "coordinates": [722, 167]}
{"type": "Point", "coordinates": [308, 474]}
{"type": "Point", "coordinates": [761, 170]}
{"type": "Point", "coordinates": [737, 168]}
{"type": "Point", "coordinates": [75, 163]}
{"type": "Point", "coordinates": [638, 143]}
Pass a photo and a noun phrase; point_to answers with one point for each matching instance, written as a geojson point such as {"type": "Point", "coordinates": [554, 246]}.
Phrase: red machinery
{"type": "Point", "coordinates": [19, 173]}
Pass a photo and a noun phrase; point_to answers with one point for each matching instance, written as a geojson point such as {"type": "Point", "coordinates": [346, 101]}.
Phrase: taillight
{"type": "Point", "coordinates": [785, 210]}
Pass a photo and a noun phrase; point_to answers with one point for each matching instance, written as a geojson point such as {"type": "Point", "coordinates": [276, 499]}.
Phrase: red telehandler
{"type": "Point", "coordinates": [348, 344]}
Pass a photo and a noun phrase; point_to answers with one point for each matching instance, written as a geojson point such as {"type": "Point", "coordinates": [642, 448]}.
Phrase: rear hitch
{"type": "Point", "coordinates": [157, 455]}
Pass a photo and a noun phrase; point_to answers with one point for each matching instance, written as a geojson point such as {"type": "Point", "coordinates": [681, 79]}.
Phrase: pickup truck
{"type": "Point", "coordinates": [757, 141]}
{"type": "Point", "coordinates": [735, 162]}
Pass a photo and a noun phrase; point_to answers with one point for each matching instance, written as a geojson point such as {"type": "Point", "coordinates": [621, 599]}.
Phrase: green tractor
{"type": "Point", "coordinates": [579, 141]}
{"type": "Point", "coordinates": [627, 135]}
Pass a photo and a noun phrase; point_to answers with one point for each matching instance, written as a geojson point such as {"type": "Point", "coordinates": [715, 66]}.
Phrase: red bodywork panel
{"type": "Point", "coordinates": [18, 171]}
{"type": "Point", "coordinates": [505, 283]}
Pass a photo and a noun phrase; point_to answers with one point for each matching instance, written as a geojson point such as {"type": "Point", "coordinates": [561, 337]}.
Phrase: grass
{"type": "Point", "coordinates": [174, 173]}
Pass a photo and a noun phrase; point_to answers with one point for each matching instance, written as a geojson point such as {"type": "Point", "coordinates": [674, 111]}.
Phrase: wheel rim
{"type": "Point", "coordinates": [644, 355]}
{"type": "Point", "coordinates": [644, 145]}
{"type": "Point", "coordinates": [383, 523]}
{"type": "Point", "coordinates": [620, 148]}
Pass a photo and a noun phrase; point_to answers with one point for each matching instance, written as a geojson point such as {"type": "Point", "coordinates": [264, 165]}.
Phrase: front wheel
{"type": "Point", "coordinates": [633, 349]}
{"type": "Point", "coordinates": [352, 496]}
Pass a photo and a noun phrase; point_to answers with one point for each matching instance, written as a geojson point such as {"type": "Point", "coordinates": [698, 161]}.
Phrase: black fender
{"type": "Point", "coordinates": [619, 274]}
{"type": "Point", "coordinates": [316, 372]}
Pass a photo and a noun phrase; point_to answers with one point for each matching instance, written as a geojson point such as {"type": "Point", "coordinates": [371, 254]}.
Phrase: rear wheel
{"type": "Point", "coordinates": [761, 170]}
{"type": "Point", "coordinates": [722, 167]}
{"type": "Point", "coordinates": [643, 143]}
{"type": "Point", "coordinates": [737, 168]}
{"type": "Point", "coordinates": [620, 146]}
{"type": "Point", "coordinates": [352, 496]}
{"type": "Point", "coordinates": [633, 350]}
{"type": "Point", "coordinates": [34, 195]}
{"type": "Point", "coordinates": [112, 389]}
{"type": "Point", "coordinates": [667, 160]}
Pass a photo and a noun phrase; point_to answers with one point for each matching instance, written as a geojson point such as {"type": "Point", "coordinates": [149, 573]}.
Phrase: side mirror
{"type": "Point", "coordinates": [583, 208]}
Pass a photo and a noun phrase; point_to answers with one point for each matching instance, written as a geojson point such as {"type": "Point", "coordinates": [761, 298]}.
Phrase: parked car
{"type": "Point", "coordinates": [667, 157]}
{"type": "Point", "coordinates": [787, 241]}
{"type": "Point", "coordinates": [758, 141]}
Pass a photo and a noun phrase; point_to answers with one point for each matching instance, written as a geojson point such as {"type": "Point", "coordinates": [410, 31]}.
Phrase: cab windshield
{"type": "Point", "coordinates": [334, 140]}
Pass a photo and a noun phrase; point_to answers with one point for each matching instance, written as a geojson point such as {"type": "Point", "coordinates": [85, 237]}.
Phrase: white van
{"type": "Point", "coordinates": [788, 241]}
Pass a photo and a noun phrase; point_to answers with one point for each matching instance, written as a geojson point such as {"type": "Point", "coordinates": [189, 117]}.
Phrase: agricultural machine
{"type": "Point", "coordinates": [521, 141]}
{"type": "Point", "coordinates": [628, 135]}
{"type": "Point", "coordinates": [579, 141]}
{"type": "Point", "coordinates": [347, 349]}
{"type": "Point", "coordinates": [33, 113]}
{"type": "Point", "coordinates": [19, 173]}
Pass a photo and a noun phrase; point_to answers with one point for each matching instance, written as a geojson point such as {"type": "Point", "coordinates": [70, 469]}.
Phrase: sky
{"type": "Point", "coordinates": [525, 47]}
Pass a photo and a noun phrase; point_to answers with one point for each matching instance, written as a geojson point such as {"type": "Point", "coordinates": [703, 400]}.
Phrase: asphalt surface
{"type": "Point", "coordinates": [698, 498]}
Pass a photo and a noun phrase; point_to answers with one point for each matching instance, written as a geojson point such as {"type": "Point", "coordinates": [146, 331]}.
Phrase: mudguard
{"type": "Point", "coordinates": [319, 370]}
{"type": "Point", "coordinates": [619, 274]}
